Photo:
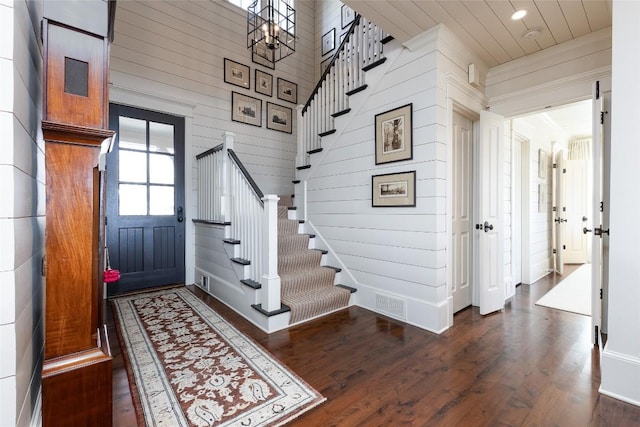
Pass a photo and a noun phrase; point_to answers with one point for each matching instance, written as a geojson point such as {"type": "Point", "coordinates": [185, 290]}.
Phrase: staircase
{"type": "Point", "coordinates": [281, 274]}
{"type": "Point", "coordinates": [307, 287]}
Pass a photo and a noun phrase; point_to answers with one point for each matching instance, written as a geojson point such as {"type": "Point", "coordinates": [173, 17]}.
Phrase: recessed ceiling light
{"type": "Point", "coordinates": [519, 14]}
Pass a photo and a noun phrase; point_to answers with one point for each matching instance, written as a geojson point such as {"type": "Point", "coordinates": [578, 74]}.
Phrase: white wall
{"type": "Point", "coordinates": [175, 51]}
{"type": "Point", "coordinates": [22, 213]}
{"type": "Point", "coordinates": [397, 253]}
{"type": "Point", "coordinates": [621, 356]}
{"type": "Point", "coordinates": [328, 15]}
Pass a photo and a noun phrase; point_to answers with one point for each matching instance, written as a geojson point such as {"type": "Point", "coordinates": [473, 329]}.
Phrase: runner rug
{"type": "Point", "coordinates": [188, 366]}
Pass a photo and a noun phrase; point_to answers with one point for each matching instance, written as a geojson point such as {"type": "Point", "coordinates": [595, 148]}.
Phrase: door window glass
{"type": "Point", "coordinates": [146, 168]}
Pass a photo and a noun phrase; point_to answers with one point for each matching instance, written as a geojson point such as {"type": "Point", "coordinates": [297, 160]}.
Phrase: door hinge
{"type": "Point", "coordinates": [596, 340]}
{"type": "Point", "coordinates": [554, 209]}
{"type": "Point", "coordinates": [564, 247]}
{"type": "Point", "coordinates": [601, 117]}
{"type": "Point", "coordinates": [564, 170]}
{"type": "Point", "coordinates": [598, 89]}
{"type": "Point", "coordinates": [105, 220]}
{"type": "Point", "coordinates": [555, 251]}
{"type": "Point", "coordinates": [554, 166]}
{"type": "Point", "coordinates": [601, 206]}
{"type": "Point", "coordinates": [600, 293]}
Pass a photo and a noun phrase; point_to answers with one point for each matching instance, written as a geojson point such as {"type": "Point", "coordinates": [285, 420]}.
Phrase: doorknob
{"type": "Point", "coordinates": [180, 216]}
{"type": "Point", "coordinates": [487, 226]}
{"type": "Point", "coordinates": [560, 220]}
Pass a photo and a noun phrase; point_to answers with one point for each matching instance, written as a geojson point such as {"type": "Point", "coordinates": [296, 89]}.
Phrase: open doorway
{"type": "Point", "coordinates": [541, 137]}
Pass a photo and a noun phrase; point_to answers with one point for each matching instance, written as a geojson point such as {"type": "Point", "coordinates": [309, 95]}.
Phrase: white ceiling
{"type": "Point", "coordinates": [573, 119]}
{"type": "Point", "coordinates": [486, 25]}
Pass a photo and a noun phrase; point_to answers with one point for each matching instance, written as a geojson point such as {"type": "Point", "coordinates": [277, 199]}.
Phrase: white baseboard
{"type": "Point", "coordinates": [620, 376]}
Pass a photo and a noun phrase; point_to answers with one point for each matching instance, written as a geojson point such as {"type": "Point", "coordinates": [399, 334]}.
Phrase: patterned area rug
{"type": "Point", "coordinates": [189, 367]}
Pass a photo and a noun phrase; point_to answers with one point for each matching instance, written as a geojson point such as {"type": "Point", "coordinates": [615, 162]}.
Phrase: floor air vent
{"type": "Point", "coordinates": [394, 307]}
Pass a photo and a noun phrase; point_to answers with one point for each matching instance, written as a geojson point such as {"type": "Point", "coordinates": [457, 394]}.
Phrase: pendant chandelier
{"type": "Point", "coordinates": [271, 30]}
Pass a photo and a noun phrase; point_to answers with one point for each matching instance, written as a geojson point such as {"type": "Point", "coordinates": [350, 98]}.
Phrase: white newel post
{"type": "Point", "coordinates": [227, 140]}
{"type": "Point", "coordinates": [270, 281]}
{"type": "Point", "coordinates": [300, 135]}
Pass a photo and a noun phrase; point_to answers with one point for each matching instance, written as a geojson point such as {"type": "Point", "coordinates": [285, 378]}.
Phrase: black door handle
{"type": "Point", "coordinates": [487, 226]}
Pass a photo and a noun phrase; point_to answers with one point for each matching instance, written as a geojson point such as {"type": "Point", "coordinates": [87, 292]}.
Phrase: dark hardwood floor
{"type": "Point", "coordinates": [524, 366]}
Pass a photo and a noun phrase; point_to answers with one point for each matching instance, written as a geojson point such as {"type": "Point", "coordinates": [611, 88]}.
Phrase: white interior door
{"type": "Point", "coordinates": [577, 212]}
{"type": "Point", "coordinates": [461, 244]}
{"type": "Point", "coordinates": [560, 213]}
{"type": "Point", "coordinates": [596, 243]}
{"type": "Point", "coordinates": [489, 226]}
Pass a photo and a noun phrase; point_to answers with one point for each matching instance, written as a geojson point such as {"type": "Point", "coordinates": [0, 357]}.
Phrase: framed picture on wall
{"type": "Point", "coordinates": [287, 91]}
{"type": "Point", "coordinates": [394, 190]}
{"type": "Point", "coordinates": [246, 109]}
{"type": "Point", "coordinates": [279, 118]}
{"type": "Point", "coordinates": [236, 73]}
{"type": "Point", "coordinates": [328, 41]}
{"type": "Point", "coordinates": [394, 135]}
{"type": "Point", "coordinates": [542, 164]}
{"type": "Point", "coordinates": [347, 15]}
{"type": "Point", "coordinates": [264, 83]}
{"type": "Point", "coordinates": [263, 56]}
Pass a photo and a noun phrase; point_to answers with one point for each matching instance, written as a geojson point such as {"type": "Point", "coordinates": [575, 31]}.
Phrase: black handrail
{"type": "Point", "coordinates": [210, 151]}
{"type": "Point", "coordinates": [333, 60]}
{"type": "Point", "coordinates": [247, 175]}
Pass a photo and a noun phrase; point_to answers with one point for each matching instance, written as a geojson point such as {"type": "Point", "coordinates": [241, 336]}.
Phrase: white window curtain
{"type": "Point", "coordinates": [580, 148]}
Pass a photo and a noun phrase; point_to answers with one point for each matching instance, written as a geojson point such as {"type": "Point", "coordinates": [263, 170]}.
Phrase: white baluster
{"type": "Point", "coordinates": [302, 124]}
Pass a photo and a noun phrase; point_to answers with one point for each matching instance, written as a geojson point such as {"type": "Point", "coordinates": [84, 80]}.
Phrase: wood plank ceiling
{"type": "Point", "coordinates": [486, 25]}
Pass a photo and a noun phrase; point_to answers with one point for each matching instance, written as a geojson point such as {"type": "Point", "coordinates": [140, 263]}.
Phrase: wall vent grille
{"type": "Point", "coordinates": [394, 307]}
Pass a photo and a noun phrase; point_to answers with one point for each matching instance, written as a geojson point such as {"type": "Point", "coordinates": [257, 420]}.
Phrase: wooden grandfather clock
{"type": "Point", "coordinates": [77, 370]}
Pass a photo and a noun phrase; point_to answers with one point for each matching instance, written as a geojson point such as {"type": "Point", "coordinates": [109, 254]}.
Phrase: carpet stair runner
{"type": "Point", "coordinates": [306, 286]}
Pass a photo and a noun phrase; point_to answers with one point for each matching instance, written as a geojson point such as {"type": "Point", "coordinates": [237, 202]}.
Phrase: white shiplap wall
{"type": "Point", "coordinates": [21, 213]}
{"type": "Point", "coordinates": [394, 252]}
{"type": "Point", "coordinates": [328, 16]}
{"type": "Point", "coordinates": [175, 51]}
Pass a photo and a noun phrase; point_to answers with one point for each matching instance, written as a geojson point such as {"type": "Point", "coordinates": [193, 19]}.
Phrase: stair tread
{"type": "Point", "coordinates": [314, 151]}
{"type": "Point", "coordinates": [241, 261]}
{"type": "Point", "coordinates": [303, 167]}
{"type": "Point", "coordinates": [251, 283]}
{"type": "Point", "coordinates": [231, 241]}
{"type": "Point", "coordinates": [327, 133]}
{"type": "Point", "coordinates": [356, 90]}
{"type": "Point", "coordinates": [341, 113]}
{"type": "Point", "coordinates": [283, 309]}
{"type": "Point", "coordinates": [374, 64]}
{"type": "Point", "coordinates": [349, 288]}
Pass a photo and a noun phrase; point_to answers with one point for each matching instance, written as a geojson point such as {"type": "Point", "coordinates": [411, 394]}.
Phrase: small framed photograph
{"type": "Point", "coordinates": [279, 118]}
{"type": "Point", "coordinates": [394, 135]}
{"type": "Point", "coordinates": [394, 190]}
{"type": "Point", "coordinates": [542, 197]}
{"type": "Point", "coordinates": [236, 73]}
{"type": "Point", "coordinates": [329, 41]}
{"type": "Point", "coordinates": [246, 109]}
{"type": "Point", "coordinates": [542, 164]}
{"type": "Point", "coordinates": [264, 83]}
{"type": "Point", "coordinates": [263, 56]}
{"type": "Point", "coordinates": [287, 91]}
{"type": "Point", "coordinates": [347, 15]}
